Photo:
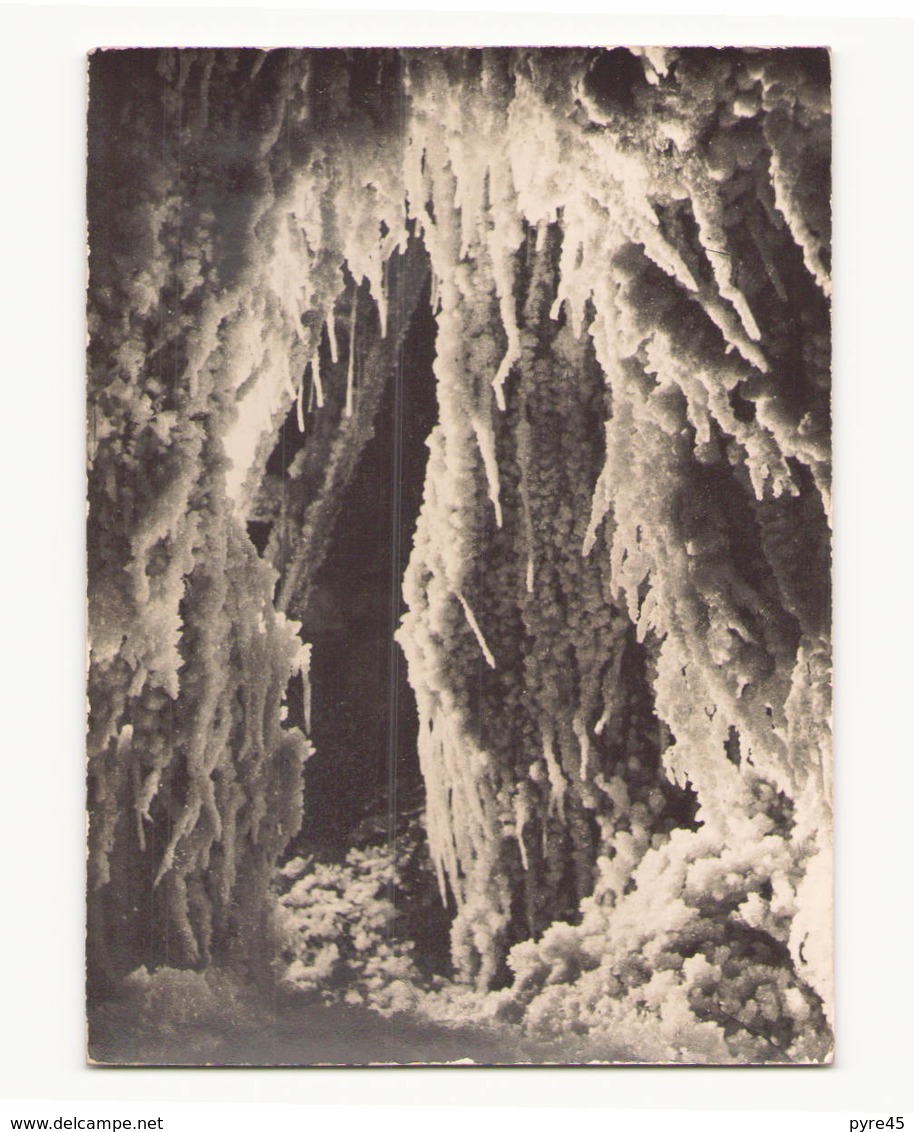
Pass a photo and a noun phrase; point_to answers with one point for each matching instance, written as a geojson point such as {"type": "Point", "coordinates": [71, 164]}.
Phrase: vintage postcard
{"type": "Point", "coordinates": [459, 556]}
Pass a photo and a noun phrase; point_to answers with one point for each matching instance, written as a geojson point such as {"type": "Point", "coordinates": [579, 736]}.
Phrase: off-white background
{"type": "Point", "coordinates": [42, 269]}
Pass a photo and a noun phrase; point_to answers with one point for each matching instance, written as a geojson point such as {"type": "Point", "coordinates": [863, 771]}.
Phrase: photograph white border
{"type": "Point", "coordinates": [43, 100]}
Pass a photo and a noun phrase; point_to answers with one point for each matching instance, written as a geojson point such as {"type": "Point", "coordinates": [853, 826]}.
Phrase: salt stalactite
{"type": "Point", "coordinates": [544, 790]}
{"type": "Point", "coordinates": [350, 365]}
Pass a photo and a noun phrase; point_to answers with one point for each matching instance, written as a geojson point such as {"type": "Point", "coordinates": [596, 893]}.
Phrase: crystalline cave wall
{"type": "Point", "coordinates": [215, 263]}
{"type": "Point", "coordinates": [620, 578]}
{"type": "Point", "coordinates": [618, 594]}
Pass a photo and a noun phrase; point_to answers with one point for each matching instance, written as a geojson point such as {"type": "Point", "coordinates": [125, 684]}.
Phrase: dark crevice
{"type": "Point", "coordinates": [614, 79]}
{"type": "Point", "coordinates": [356, 674]}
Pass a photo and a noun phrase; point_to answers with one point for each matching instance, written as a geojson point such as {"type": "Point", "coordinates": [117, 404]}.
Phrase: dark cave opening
{"type": "Point", "coordinates": [363, 786]}
{"type": "Point", "coordinates": [363, 710]}
{"type": "Point", "coordinates": [613, 79]}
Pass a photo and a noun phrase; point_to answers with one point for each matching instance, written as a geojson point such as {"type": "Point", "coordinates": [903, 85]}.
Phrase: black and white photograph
{"type": "Point", "coordinates": [459, 556]}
